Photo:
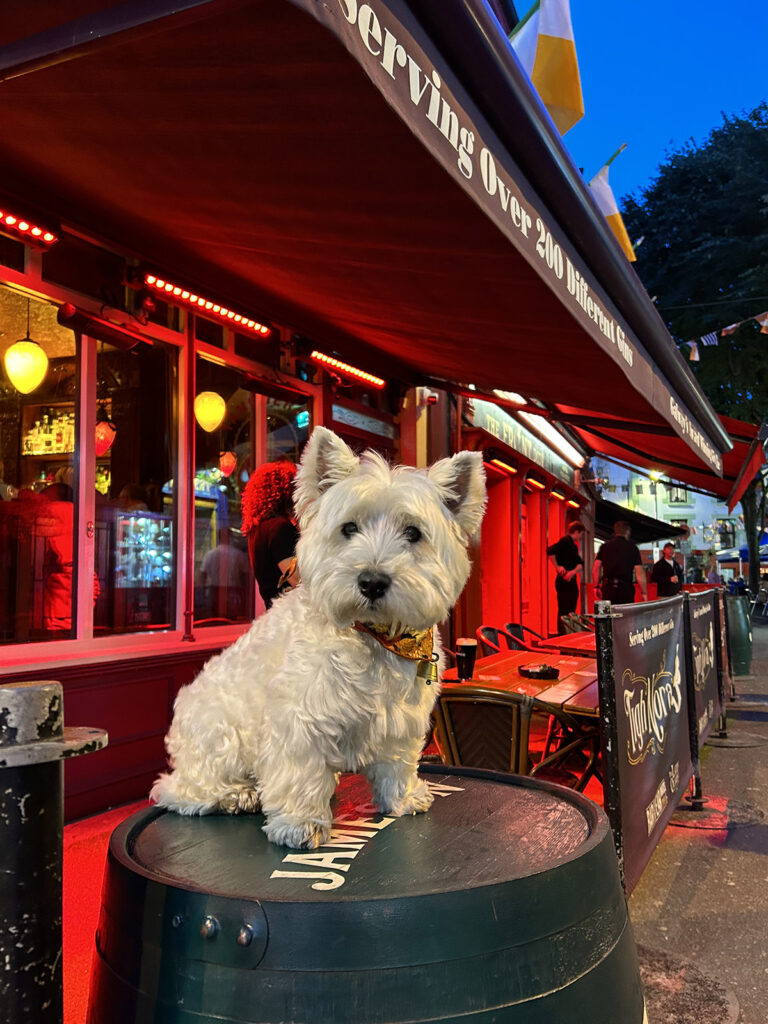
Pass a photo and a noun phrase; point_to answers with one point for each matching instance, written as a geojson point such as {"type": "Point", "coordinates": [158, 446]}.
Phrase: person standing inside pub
{"type": "Point", "coordinates": [667, 574]}
{"type": "Point", "coordinates": [566, 558]}
{"type": "Point", "coordinates": [617, 560]}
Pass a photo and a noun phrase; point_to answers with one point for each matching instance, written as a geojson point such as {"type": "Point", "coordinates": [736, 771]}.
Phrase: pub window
{"type": "Point", "coordinates": [225, 458]}
{"type": "Point", "coordinates": [38, 507]}
{"type": "Point", "coordinates": [135, 468]}
{"type": "Point", "coordinates": [726, 533]}
{"type": "Point", "coordinates": [677, 495]}
{"type": "Point", "coordinates": [222, 572]}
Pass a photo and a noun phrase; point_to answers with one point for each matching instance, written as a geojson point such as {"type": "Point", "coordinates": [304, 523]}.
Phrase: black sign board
{"type": "Point", "coordinates": [644, 708]}
{"type": "Point", "coordinates": [704, 685]}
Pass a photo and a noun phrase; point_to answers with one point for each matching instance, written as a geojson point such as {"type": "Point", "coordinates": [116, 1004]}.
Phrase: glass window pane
{"type": "Point", "coordinates": [135, 451]}
{"type": "Point", "coordinates": [223, 580]}
{"type": "Point", "coordinates": [268, 506]}
{"type": "Point", "coordinates": [37, 450]}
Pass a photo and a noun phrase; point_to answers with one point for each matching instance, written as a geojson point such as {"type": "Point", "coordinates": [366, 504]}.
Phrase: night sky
{"type": "Point", "coordinates": [655, 75]}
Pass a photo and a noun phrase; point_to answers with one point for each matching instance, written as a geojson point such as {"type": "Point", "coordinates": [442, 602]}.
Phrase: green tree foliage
{"type": "Point", "coordinates": [704, 257]}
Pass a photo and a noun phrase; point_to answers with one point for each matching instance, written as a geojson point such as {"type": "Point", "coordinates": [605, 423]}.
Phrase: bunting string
{"type": "Point", "coordinates": [711, 338]}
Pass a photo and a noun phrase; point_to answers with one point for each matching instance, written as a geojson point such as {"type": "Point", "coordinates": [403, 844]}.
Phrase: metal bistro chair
{"type": "Point", "coordinates": [484, 728]}
{"type": "Point", "coordinates": [494, 640]}
{"type": "Point", "coordinates": [518, 630]}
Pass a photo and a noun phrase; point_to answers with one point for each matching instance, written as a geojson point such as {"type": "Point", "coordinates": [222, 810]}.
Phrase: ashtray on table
{"type": "Point", "coordinates": [542, 671]}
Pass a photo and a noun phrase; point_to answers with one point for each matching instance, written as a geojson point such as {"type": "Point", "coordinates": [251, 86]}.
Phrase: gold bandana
{"type": "Point", "coordinates": [416, 645]}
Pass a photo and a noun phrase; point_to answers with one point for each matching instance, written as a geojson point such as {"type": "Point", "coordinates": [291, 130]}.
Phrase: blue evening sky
{"type": "Point", "coordinates": [654, 75]}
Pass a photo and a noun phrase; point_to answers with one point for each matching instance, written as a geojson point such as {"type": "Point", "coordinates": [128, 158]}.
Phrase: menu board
{"type": "Point", "coordinates": [701, 610]}
{"type": "Point", "coordinates": [648, 716]}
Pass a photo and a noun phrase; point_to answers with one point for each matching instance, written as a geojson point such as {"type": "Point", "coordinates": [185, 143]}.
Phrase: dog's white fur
{"type": "Point", "coordinates": [302, 695]}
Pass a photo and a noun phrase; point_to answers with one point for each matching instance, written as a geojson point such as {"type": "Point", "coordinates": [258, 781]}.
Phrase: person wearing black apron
{"type": "Point", "coordinates": [618, 560]}
{"type": "Point", "coordinates": [566, 558]}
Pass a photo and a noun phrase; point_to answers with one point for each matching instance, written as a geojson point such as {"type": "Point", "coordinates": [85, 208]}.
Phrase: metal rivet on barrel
{"type": "Point", "coordinates": [245, 935]}
{"type": "Point", "coordinates": [209, 929]}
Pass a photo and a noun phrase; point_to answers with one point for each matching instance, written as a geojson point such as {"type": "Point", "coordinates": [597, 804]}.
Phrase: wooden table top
{"type": "Point", "coordinates": [574, 691]}
{"type": "Point", "coordinates": [570, 643]}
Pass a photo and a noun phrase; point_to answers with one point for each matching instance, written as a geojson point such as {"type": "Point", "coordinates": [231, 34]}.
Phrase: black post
{"type": "Point", "coordinates": [696, 798]}
{"type": "Point", "coordinates": [722, 725]}
{"type": "Point", "coordinates": [33, 743]}
{"type": "Point", "coordinates": [608, 730]}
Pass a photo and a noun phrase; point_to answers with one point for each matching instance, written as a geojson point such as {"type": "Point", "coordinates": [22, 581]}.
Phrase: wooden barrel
{"type": "Point", "coordinates": [501, 904]}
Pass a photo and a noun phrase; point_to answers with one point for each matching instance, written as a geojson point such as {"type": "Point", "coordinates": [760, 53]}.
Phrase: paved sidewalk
{"type": "Point", "coordinates": [700, 910]}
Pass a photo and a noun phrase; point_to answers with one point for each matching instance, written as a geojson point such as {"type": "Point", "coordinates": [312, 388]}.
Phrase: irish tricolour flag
{"type": "Point", "coordinates": [604, 197]}
{"type": "Point", "coordinates": [543, 42]}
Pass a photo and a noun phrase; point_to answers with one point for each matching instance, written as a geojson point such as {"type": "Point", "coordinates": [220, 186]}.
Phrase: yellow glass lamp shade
{"type": "Point", "coordinates": [210, 409]}
{"type": "Point", "coordinates": [26, 364]}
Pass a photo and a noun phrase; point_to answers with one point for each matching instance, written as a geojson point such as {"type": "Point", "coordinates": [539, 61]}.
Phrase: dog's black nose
{"type": "Point", "coordinates": [373, 585]}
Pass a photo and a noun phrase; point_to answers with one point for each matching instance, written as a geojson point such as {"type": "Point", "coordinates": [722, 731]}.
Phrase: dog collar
{"type": "Point", "coordinates": [415, 645]}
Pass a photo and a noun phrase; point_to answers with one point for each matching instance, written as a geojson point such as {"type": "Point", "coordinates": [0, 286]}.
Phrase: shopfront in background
{"type": "Point", "coordinates": [533, 495]}
{"type": "Point", "coordinates": [122, 468]}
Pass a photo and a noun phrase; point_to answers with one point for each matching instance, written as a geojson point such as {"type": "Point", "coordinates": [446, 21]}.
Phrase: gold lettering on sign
{"type": "Point", "coordinates": [650, 702]}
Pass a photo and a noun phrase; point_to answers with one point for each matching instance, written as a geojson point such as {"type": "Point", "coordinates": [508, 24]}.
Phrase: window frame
{"type": "Point", "coordinates": [83, 647]}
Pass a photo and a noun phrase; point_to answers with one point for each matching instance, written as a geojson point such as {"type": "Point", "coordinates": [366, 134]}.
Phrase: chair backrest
{"type": "Point", "coordinates": [483, 728]}
{"type": "Point", "coordinates": [516, 629]}
{"type": "Point", "coordinates": [493, 639]}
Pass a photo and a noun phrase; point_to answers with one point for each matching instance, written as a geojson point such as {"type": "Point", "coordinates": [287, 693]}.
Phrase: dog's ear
{"type": "Point", "coordinates": [326, 461]}
{"type": "Point", "coordinates": [461, 480]}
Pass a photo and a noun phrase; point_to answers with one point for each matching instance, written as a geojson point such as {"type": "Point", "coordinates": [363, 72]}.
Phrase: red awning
{"type": "Point", "coordinates": [654, 448]}
{"type": "Point", "coordinates": [273, 155]}
{"type": "Point", "coordinates": [754, 460]}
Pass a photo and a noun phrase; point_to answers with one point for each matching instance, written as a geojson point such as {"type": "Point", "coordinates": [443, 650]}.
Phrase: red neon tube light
{"type": "Point", "coordinates": [532, 482]}
{"type": "Point", "coordinates": [558, 495]}
{"type": "Point", "coordinates": [573, 504]}
{"type": "Point", "coordinates": [25, 230]}
{"type": "Point", "coordinates": [503, 465]}
{"type": "Point", "coordinates": [350, 371]}
{"type": "Point", "coordinates": [183, 297]}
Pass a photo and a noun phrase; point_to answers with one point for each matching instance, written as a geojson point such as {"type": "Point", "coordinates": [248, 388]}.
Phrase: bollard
{"type": "Point", "coordinates": [33, 745]}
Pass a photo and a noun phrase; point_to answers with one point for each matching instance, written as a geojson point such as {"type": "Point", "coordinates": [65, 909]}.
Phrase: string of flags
{"type": "Point", "coordinates": [711, 338]}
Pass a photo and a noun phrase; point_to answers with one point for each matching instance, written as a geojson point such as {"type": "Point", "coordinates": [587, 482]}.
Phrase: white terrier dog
{"type": "Point", "coordinates": [317, 686]}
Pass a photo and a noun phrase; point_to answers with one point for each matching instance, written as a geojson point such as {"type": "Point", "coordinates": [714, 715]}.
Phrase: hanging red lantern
{"type": "Point", "coordinates": [105, 432]}
{"type": "Point", "coordinates": [227, 463]}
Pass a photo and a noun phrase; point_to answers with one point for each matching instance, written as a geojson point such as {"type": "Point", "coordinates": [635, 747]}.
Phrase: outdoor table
{"type": "Point", "coordinates": [574, 693]}
{"type": "Point", "coordinates": [570, 643]}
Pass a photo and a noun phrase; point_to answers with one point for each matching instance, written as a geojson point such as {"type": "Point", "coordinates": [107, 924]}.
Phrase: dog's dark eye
{"type": "Point", "coordinates": [349, 528]}
{"type": "Point", "coordinates": [412, 534]}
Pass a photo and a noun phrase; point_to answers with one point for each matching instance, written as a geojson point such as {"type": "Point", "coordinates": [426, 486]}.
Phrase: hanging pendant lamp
{"type": "Point", "coordinates": [105, 431]}
{"type": "Point", "coordinates": [210, 409]}
{"type": "Point", "coordinates": [26, 364]}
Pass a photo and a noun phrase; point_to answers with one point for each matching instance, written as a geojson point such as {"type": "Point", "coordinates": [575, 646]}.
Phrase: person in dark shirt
{"type": "Point", "coordinates": [667, 574]}
{"type": "Point", "coordinates": [566, 558]}
{"type": "Point", "coordinates": [268, 523]}
{"type": "Point", "coordinates": [615, 564]}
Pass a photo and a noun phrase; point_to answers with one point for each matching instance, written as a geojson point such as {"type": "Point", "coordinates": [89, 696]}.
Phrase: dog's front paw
{"type": "Point", "coordinates": [415, 801]}
{"type": "Point", "coordinates": [301, 835]}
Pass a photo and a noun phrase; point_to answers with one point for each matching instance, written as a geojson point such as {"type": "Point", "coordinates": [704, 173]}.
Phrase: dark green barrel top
{"type": "Point", "coordinates": [501, 904]}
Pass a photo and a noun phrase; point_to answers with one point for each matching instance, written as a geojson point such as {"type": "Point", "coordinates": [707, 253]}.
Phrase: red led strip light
{"type": "Point", "coordinates": [182, 297]}
{"type": "Point", "coordinates": [503, 465]}
{"type": "Point", "coordinates": [23, 229]}
{"type": "Point", "coordinates": [351, 371]}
